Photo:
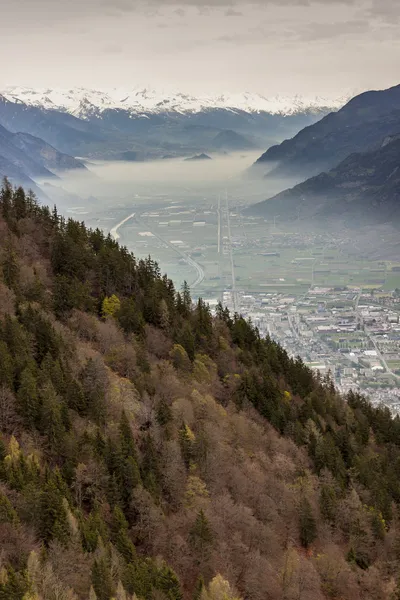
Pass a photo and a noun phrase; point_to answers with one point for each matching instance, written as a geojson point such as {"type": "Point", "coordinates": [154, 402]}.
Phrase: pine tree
{"type": "Point", "coordinates": [328, 503]}
{"type": "Point", "coordinates": [199, 587]}
{"type": "Point", "coordinates": [186, 297]}
{"type": "Point", "coordinates": [102, 580]}
{"type": "Point", "coordinates": [6, 367]}
{"type": "Point", "coordinates": [308, 525]}
{"type": "Point", "coordinates": [51, 414]}
{"type": "Point", "coordinates": [201, 537]}
{"type": "Point", "coordinates": [54, 522]}
{"type": "Point", "coordinates": [20, 205]}
{"type": "Point", "coordinates": [127, 441]}
{"type": "Point", "coordinates": [10, 266]}
{"type": "Point", "coordinates": [7, 513]}
{"type": "Point", "coordinates": [168, 582]}
{"type": "Point", "coordinates": [6, 199]}
{"type": "Point", "coordinates": [120, 535]}
{"type": "Point", "coordinates": [28, 398]}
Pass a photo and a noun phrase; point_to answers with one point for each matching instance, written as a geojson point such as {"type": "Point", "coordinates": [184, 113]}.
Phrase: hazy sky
{"type": "Point", "coordinates": [202, 46]}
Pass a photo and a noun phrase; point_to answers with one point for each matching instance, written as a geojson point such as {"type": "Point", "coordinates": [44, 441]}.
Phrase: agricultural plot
{"type": "Point", "coordinates": [264, 256]}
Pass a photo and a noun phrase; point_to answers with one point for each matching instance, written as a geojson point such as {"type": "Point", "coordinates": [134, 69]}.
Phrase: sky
{"type": "Point", "coordinates": [326, 47]}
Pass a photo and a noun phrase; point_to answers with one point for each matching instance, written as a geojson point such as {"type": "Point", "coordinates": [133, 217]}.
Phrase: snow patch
{"type": "Point", "coordinates": [84, 103]}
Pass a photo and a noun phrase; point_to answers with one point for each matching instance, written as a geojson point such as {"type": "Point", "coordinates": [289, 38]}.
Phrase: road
{"type": "Point", "coordinates": [219, 223]}
{"type": "Point", "coordinates": [198, 268]}
{"type": "Point", "coordinates": [381, 357]}
{"type": "Point", "coordinates": [234, 292]}
{"type": "Point", "coordinates": [114, 231]}
{"type": "Point", "coordinates": [373, 342]}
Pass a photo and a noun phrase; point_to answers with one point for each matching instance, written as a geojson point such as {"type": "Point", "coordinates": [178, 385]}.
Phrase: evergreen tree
{"type": "Point", "coordinates": [54, 522]}
{"type": "Point", "coordinates": [308, 525]}
{"type": "Point", "coordinates": [128, 446]}
{"type": "Point", "coordinates": [10, 266]}
{"type": "Point", "coordinates": [28, 398]}
{"type": "Point", "coordinates": [6, 367]}
{"type": "Point", "coordinates": [201, 537]}
{"type": "Point", "coordinates": [102, 581]}
{"type": "Point", "coordinates": [6, 199]}
{"type": "Point", "coordinates": [328, 503]}
{"type": "Point", "coordinates": [120, 535]}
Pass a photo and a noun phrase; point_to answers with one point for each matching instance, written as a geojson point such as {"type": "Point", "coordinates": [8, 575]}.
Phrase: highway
{"type": "Point", "coordinates": [199, 270]}
{"type": "Point", "coordinates": [114, 231]}
{"type": "Point", "coordinates": [234, 292]}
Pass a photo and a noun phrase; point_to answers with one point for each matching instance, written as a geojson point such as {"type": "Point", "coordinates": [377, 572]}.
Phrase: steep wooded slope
{"type": "Point", "coordinates": [151, 451]}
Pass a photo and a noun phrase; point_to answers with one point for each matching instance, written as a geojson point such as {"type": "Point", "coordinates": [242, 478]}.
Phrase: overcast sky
{"type": "Point", "coordinates": [326, 48]}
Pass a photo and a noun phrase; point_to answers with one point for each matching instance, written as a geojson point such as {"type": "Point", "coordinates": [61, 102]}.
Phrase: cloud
{"type": "Point", "coordinates": [56, 9]}
{"type": "Point", "coordinates": [180, 12]}
{"type": "Point", "coordinates": [231, 12]}
{"type": "Point", "coordinates": [272, 46]}
{"type": "Point", "coordinates": [338, 29]}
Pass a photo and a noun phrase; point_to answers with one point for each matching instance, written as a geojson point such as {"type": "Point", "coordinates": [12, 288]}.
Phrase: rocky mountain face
{"type": "Point", "coordinates": [24, 157]}
{"type": "Point", "coordinates": [365, 187]}
{"type": "Point", "coordinates": [104, 125]}
{"type": "Point", "coordinates": [359, 126]}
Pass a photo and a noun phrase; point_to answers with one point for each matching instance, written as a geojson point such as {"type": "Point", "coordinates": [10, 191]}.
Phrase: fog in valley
{"type": "Point", "coordinates": [113, 181]}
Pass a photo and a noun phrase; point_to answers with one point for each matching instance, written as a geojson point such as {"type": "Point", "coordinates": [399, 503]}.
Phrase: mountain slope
{"type": "Point", "coordinates": [364, 187]}
{"type": "Point", "coordinates": [149, 451]}
{"type": "Point", "coordinates": [231, 141]}
{"type": "Point", "coordinates": [59, 129]}
{"type": "Point", "coordinates": [45, 154]}
{"type": "Point", "coordinates": [24, 157]}
{"type": "Point", "coordinates": [11, 151]}
{"type": "Point", "coordinates": [357, 127]}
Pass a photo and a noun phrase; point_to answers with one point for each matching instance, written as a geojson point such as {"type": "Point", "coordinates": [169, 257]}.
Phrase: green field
{"type": "Point", "coordinates": [299, 263]}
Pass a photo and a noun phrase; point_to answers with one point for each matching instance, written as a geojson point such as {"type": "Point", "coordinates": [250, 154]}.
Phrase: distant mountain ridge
{"type": "Point", "coordinates": [84, 103]}
{"type": "Point", "coordinates": [198, 157]}
{"type": "Point", "coordinates": [359, 126]}
{"type": "Point", "coordinates": [231, 141]}
{"type": "Point", "coordinates": [365, 187]}
{"type": "Point", "coordinates": [151, 125]}
{"type": "Point", "coordinates": [24, 157]}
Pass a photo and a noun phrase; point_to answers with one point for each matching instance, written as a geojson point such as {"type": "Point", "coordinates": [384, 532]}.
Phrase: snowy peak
{"type": "Point", "coordinates": [85, 103]}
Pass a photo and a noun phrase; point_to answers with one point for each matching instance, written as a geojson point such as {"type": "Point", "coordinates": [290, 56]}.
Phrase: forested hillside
{"type": "Point", "coordinates": [151, 451]}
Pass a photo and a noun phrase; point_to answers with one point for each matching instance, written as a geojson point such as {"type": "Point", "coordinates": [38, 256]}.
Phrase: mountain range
{"type": "Point", "coordinates": [151, 125]}
{"type": "Point", "coordinates": [85, 103]}
{"type": "Point", "coordinates": [353, 157]}
{"type": "Point", "coordinates": [360, 125]}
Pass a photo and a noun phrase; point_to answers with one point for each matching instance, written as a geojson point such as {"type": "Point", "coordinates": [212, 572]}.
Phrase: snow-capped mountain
{"type": "Point", "coordinates": [85, 103]}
